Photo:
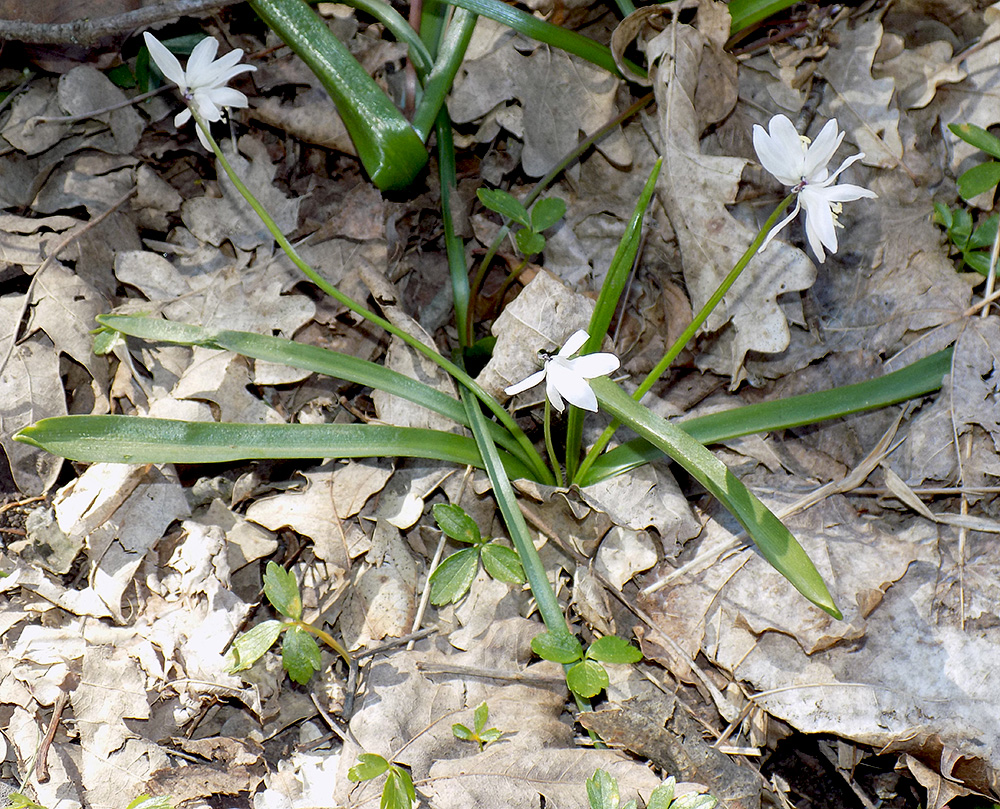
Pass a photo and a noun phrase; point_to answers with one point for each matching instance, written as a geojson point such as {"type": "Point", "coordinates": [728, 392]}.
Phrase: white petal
{"type": "Point", "coordinates": [593, 365]}
{"type": "Point", "coordinates": [844, 165]}
{"type": "Point", "coordinates": [202, 138]}
{"type": "Point", "coordinates": [206, 106]}
{"type": "Point", "coordinates": [228, 97]}
{"type": "Point", "coordinates": [821, 150]}
{"type": "Point", "coordinates": [552, 393]}
{"type": "Point", "coordinates": [182, 117]}
{"type": "Point", "coordinates": [774, 156]}
{"type": "Point", "coordinates": [781, 225]}
{"type": "Point", "coordinates": [573, 387]}
{"type": "Point", "coordinates": [574, 343]}
{"type": "Point", "coordinates": [845, 192]}
{"type": "Point", "coordinates": [165, 60]}
{"type": "Point", "coordinates": [525, 384]}
{"type": "Point", "coordinates": [201, 60]}
{"type": "Point", "coordinates": [218, 72]}
{"type": "Point", "coordinates": [820, 228]}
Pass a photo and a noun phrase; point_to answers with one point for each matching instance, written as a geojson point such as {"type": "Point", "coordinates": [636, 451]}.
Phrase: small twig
{"type": "Point", "coordinates": [86, 116]}
{"type": "Point", "coordinates": [42, 765]}
{"type": "Point", "coordinates": [489, 674]}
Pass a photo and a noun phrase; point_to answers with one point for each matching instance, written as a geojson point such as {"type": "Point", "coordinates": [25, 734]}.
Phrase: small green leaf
{"type": "Point", "coordinates": [612, 649]}
{"type": "Point", "coordinates": [282, 590]}
{"type": "Point", "coordinates": [503, 563]}
{"type": "Point", "coordinates": [398, 792]}
{"type": "Point", "coordinates": [546, 212]}
{"type": "Point", "coordinates": [984, 235]}
{"type": "Point", "coordinates": [663, 795]}
{"type": "Point", "coordinates": [602, 791]}
{"type": "Point", "coordinates": [979, 179]}
{"type": "Point", "coordinates": [560, 647]}
{"type": "Point", "coordinates": [587, 679]}
{"type": "Point", "coordinates": [694, 801]}
{"type": "Point", "coordinates": [481, 716]}
{"type": "Point", "coordinates": [463, 733]}
{"type": "Point", "coordinates": [151, 802]}
{"type": "Point", "coordinates": [453, 577]}
{"type": "Point", "coordinates": [369, 766]}
{"type": "Point", "coordinates": [504, 204]}
{"type": "Point", "coordinates": [300, 655]}
{"type": "Point", "coordinates": [979, 260]}
{"type": "Point", "coordinates": [490, 736]}
{"type": "Point", "coordinates": [942, 215]}
{"type": "Point", "coordinates": [961, 227]}
{"type": "Point", "coordinates": [529, 242]}
{"type": "Point", "coordinates": [978, 137]}
{"type": "Point", "coordinates": [456, 524]}
{"type": "Point", "coordinates": [630, 805]}
{"type": "Point", "coordinates": [105, 341]}
{"type": "Point", "coordinates": [250, 647]}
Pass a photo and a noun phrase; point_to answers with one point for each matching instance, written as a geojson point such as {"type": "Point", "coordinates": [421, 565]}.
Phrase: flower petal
{"type": "Point", "coordinates": [228, 97]}
{"type": "Point", "coordinates": [525, 384]}
{"type": "Point", "coordinates": [821, 230]}
{"type": "Point", "coordinates": [165, 60]}
{"type": "Point", "coordinates": [845, 192]}
{"type": "Point", "coordinates": [780, 150]}
{"type": "Point", "coordinates": [593, 365]}
{"type": "Point", "coordinates": [821, 150]}
{"type": "Point", "coordinates": [781, 225]}
{"type": "Point", "coordinates": [552, 393]}
{"type": "Point", "coordinates": [573, 344]}
{"type": "Point", "coordinates": [182, 117]}
{"type": "Point", "coordinates": [201, 60]}
{"type": "Point", "coordinates": [573, 387]}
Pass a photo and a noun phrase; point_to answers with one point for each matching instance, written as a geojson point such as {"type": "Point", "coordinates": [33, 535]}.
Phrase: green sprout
{"type": "Point", "coordinates": [397, 792]}
{"type": "Point", "coordinates": [480, 733]}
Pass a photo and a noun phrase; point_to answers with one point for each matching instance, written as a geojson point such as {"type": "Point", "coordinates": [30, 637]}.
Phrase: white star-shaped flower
{"type": "Point", "coordinates": [566, 378]}
{"type": "Point", "coordinates": [203, 83]}
{"type": "Point", "coordinates": [801, 166]}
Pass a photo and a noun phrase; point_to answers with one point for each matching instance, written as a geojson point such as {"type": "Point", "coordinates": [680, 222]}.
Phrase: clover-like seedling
{"type": "Point", "coordinates": [300, 653]}
{"type": "Point", "coordinates": [397, 792]}
{"type": "Point", "coordinates": [480, 733]}
{"type": "Point", "coordinates": [973, 244]}
{"type": "Point", "coordinates": [544, 214]}
{"type": "Point", "coordinates": [602, 792]}
{"type": "Point", "coordinates": [453, 577]}
{"type": "Point", "coordinates": [585, 677]}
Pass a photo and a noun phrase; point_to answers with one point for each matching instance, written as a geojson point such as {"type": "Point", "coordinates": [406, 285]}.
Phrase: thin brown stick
{"type": "Point", "coordinates": [42, 765]}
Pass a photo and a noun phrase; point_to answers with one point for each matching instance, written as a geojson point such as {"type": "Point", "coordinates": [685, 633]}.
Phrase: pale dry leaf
{"type": "Point", "coordinates": [862, 104]}
{"type": "Point", "coordinates": [89, 179]}
{"type": "Point", "coordinates": [85, 89]}
{"type": "Point", "coordinates": [402, 499]}
{"type": "Point", "coordinates": [623, 554]}
{"type": "Point", "coordinates": [27, 242]}
{"type": "Point", "coordinates": [22, 132]}
{"type": "Point", "coordinates": [591, 601]}
{"type": "Point", "coordinates": [975, 397]}
{"type": "Point", "coordinates": [940, 791]}
{"type": "Point", "coordinates": [918, 72]}
{"type": "Point", "coordinates": [695, 189]}
{"type": "Point", "coordinates": [223, 379]}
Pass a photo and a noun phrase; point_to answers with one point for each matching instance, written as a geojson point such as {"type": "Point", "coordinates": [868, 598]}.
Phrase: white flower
{"type": "Point", "coordinates": [567, 378]}
{"type": "Point", "coordinates": [802, 167]}
{"type": "Point", "coordinates": [203, 83]}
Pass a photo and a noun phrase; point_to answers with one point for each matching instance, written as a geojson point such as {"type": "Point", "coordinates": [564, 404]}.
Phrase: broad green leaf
{"type": "Point", "coordinates": [454, 576]}
{"type": "Point", "coordinates": [398, 792]}
{"type": "Point", "coordinates": [504, 204]}
{"type": "Point", "coordinates": [979, 260]}
{"type": "Point", "coordinates": [282, 590]}
{"type": "Point", "coordinates": [612, 649]}
{"type": "Point", "coordinates": [529, 242]}
{"type": "Point", "coordinates": [390, 149]}
{"type": "Point", "coordinates": [138, 440]}
{"type": "Point", "coordinates": [602, 791]}
{"type": "Point", "coordinates": [984, 235]}
{"type": "Point", "coordinates": [587, 678]}
{"type": "Point", "coordinates": [773, 539]}
{"type": "Point", "coordinates": [979, 179]}
{"type": "Point", "coordinates": [481, 716]}
{"type": "Point", "coordinates": [250, 647]}
{"type": "Point", "coordinates": [502, 563]}
{"type": "Point", "coordinates": [546, 212]}
{"type": "Point", "coordinates": [300, 655]}
{"type": "Point", "coordinates": [151, 802]}
{"type": "Point", "coordinates": [463, 733]}
{"type": "Point", "coordinates": [663, 795]}
{"type": "Point", "coordinates": [369, 766]}
{"type": "Point", "coordinates": [561, 647]}
{"type": "Point", "coordinates": [455, 523]}
{"type": "Point", "coordinates": [978, 137]}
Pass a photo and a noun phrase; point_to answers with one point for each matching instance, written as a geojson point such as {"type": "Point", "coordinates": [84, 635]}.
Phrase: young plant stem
{"type": "Point", "coordinates": [687, 334]}
{"type": "Point", "coordinates": [550, 446]}
{"type": "Point", "coordinates": [438, 82]}
{"type": "Point", "coordinates": [455, 249]}
{"type": "Point", "coordinates": [537, 463]}
{"type": "Point", "coordinates": [327, 638]}
{"type": "Point", "coordinates": [536, 192]}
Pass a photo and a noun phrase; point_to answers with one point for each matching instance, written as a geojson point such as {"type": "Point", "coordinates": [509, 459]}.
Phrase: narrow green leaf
{"type": "Point", "coordinates": [455, 523]}
{"type": "Point", "coordinates": [398, 792]}
{"type": "Point", "coordinates": [369, 766]}
{"type": "Point", "coordinates": [137, 440]}
{"type": "Point", "coordinates": [663, 795]}
{"type": "Point", "coordinates": [505, 204]}
{"type": "Point", "coordinates": [612, 649]}
{"type": "Point", "coordinates": [282, 590]}
{"type": "Point", "coordinates": [529, 242]}
{"type": "Point", "coordinates": [772, 538]}
{"type": "Point", "coordinates": [391, 151]}
{"type": "Point", "coordinates": [588, 678]}
{"type": "Point", "coordinates": [978, 137]}
{"type": "Point", "coordinates": [745, 13]}
{"type": "Point", "coordinates": [151, 802]}
{"type": "Point", "coordinates": [560, 647]}
{"type": "Point", "coordinates": [250, 647]}
{"type": "Point", "coordinates": [502, 563]}
{"type": "Point", "coordinates": [979, 179]}
{"type": "Point", "coordinates": [454, 576]}
{"type": "Point", "coordinates": [300, 655]}
{"type": "Point", "coordinates": [546, 212]}
{"type": "Point", "coordinates": [481, 716]}
{"type": "Point", "coordinates": [602, 791]}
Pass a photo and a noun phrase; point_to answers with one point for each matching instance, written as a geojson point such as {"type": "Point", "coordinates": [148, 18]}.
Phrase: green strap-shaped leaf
{"type": "Point", "coordinates": [136, 440]}
{"type": "Point", "coordinates": [772, 538]}
{"type": "Point", "coordinates": [390, 149]}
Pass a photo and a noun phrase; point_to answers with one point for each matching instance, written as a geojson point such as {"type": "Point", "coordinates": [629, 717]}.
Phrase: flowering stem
{"type": "Point", "coordinates": [688, 333]}
{"type": "Point", "coordinates": [549, 446]}
{"type": "Point", "coordinates": [534, 459]}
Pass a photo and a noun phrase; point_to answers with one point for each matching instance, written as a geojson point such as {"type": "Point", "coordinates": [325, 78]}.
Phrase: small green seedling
{"type": "Point", "coordinates": [985, 176]}
{"type": "Point", "coordinates": [397, 792]}
{"type": "Point", "coordinates": [586, 677]}
{"type": "Point", "coordinates": [544, 214]}
{"type": "Point", "coordinates": [480, 734]}
{"type": "Point", "coordinates": [974, 245]}
{"type": "Point", "coordinates": [299, 651]}
{"type": "Point", "coordinates": [602, 792]}
{"type": "Point", "coordinates": [17, 800]}
{"type": "Point", "coordinates": [453, 577]}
